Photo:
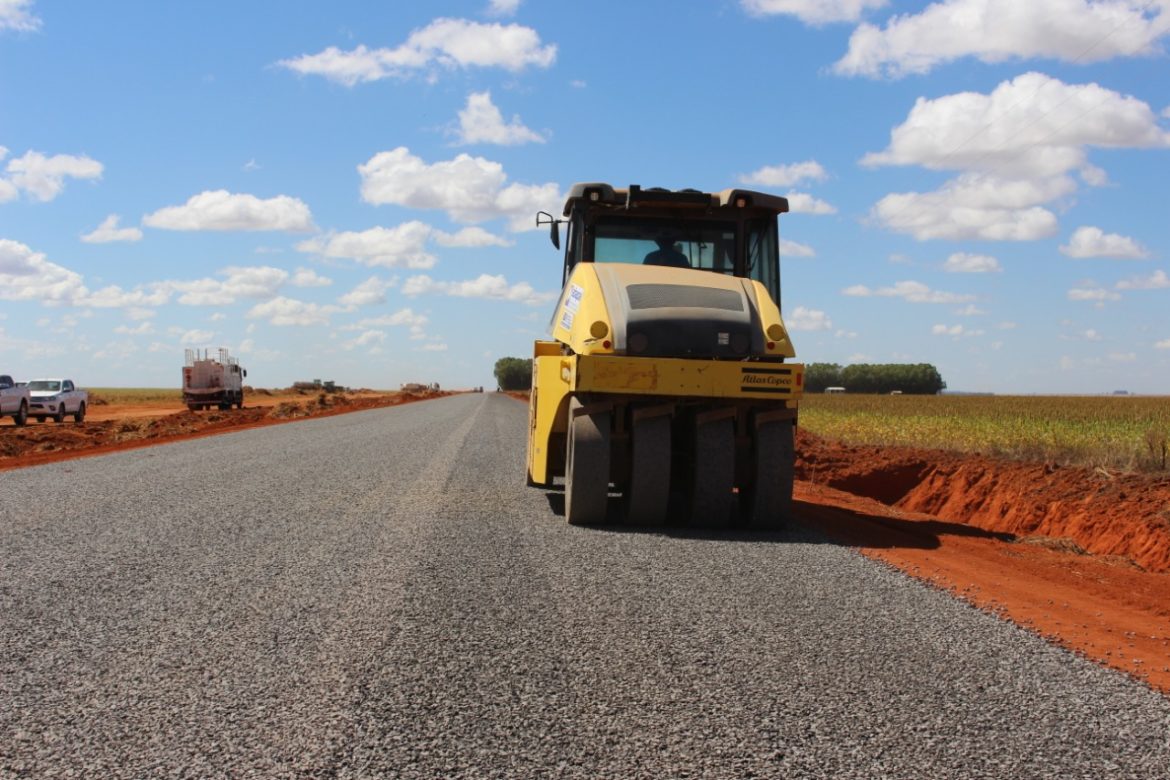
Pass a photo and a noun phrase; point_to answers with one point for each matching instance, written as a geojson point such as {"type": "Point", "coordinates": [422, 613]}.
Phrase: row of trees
{"type": "Point", "coordinates": [909, 378]}
{"type": "Point", "coordinates": [514, 373]}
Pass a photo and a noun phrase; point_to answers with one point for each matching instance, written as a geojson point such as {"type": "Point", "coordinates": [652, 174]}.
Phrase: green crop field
{"type": "Point", "coordinates": [1121, 433]}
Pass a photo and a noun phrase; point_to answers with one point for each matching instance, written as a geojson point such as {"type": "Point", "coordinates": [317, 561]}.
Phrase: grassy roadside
{"type": "Point", "coordinates": [1121, 433]}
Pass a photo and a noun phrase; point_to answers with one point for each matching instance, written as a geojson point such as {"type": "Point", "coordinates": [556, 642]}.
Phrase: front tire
{"type": "Point", "coordinates": [21, 416]}
{"type": "Point", "coordinates": [59, 417]}
{"type": "Point", "coordinates": [79, 415]}
{"type": "Point", "coordinates": [586, 466]}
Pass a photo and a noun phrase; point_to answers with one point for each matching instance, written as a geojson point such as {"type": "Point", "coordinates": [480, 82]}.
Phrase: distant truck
{"type": "Point", "coordinates": [56, 398]}
{"type": "Point", "coordinates": [212, 381]}
{"type": "Point", "coordinates": [14, 400]}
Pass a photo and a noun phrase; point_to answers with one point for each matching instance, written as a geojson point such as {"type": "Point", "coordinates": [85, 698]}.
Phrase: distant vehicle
{"type": "Point", "coordinates": [56, 398]}
{"type": "Point", "coordinates": [834, 390]}
{"type": "Point", "coordinates": [212, 381]}
{"type": "Point", "coordinates": [14, 400]}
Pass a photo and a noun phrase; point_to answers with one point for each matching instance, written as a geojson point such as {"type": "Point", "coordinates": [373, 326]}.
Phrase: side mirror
{"type": "Point", "coordinates": [245, 372]}
{"type": "Point", "coordinates": [554, 228]}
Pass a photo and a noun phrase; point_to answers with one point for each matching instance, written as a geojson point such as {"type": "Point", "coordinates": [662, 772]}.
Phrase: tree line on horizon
{"type": "Point", "coordinates": [907, 378]}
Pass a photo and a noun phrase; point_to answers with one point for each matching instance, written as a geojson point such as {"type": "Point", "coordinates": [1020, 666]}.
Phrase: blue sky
{"type": "Point", "coordinates": [347, 191]}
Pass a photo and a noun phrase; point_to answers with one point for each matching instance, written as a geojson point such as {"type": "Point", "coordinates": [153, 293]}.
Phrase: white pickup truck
{"type": "Point", "coordinates": [56, 398]}
{"type": "Point", "coordinates": [14, 400]}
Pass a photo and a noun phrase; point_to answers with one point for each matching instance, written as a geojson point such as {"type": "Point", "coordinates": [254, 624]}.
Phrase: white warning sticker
{"type": "Point", "coordinates": [567, 319]}
{"type": "Point", "coordinates": [573, 299]}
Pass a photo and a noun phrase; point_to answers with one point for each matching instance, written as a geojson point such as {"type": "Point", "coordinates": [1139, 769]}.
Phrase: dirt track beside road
{"type": "Point", "coordinates": [110, 427]}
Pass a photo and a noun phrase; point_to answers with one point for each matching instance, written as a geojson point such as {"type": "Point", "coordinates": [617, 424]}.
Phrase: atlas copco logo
{"type": "Point", "coordinates": [767, 379]}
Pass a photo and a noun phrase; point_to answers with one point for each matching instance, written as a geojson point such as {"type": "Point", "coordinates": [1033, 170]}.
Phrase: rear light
{"type": "Point", "coordinates": [607, 344]}
{"type": "Point", "coordinates": [799, 378]}
{"type": "Point", "coordinates": [771, 345]}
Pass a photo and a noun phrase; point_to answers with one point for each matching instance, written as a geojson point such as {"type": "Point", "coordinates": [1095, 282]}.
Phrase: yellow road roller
{"type": "Point", "coordinates": [666, 391]}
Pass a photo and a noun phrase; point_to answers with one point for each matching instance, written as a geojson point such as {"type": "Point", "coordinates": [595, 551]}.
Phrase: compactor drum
{"type": "Point", "coordinates": [666, 379]}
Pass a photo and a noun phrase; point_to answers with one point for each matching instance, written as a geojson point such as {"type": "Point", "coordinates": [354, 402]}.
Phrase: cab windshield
{"type": "Point", "coordinates": [44, 384]}
{"type": "Point", "coordinates": [707, 246]}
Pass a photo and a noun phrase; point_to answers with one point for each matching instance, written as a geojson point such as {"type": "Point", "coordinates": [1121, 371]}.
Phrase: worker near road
{"type": "Point", "coordinates": [666, 254]}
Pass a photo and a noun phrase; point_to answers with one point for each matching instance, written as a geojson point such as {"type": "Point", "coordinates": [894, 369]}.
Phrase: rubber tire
{"type": "Point", "coordinates": [79, 415]}
{"type": "Point", "coordinates": [648, 495]}
{"type": "Point", "coordinates": [21, 416]}
{"type": "Point", "coordinates": [713, 474]}
{"type": "Point", "coordinates": [59, 417]}
{"type": "Point", "coordinates": [225, 407]}
{"type": "Point", "coordinates": [586, 466]}
{"type": "Point", "coordinates": [767, 504]}
{"type": "Point", "coordinates": [40, 418]}
{"type": "Point", "coordinates": [192, 407]}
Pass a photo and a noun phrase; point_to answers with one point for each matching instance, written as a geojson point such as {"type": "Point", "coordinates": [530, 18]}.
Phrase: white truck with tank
{"type": "Point", "coordinates": [56, 398]}
{"type": "Point", "coordinates": [212, 380]}
{"type": "Point", "coordinates": [14, 400]}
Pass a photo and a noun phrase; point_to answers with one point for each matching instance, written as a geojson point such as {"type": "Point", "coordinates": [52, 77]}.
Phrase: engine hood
{"type": "Point", "coordinates": [674, 312]}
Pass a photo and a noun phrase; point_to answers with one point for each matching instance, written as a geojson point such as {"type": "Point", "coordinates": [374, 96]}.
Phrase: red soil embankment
{"type": "Point", "coordinates": [1124, 515]}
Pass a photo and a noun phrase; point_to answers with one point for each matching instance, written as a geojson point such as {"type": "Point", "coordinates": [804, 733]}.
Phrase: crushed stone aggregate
{"type": "Point", "coordinates": [379, 595]}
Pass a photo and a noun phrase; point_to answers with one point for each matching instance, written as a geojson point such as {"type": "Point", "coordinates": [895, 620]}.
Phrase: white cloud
{"type": "Point", "coordinates": [484, 286]}
{"type": "Point", "coordinates": [503, 7]}
{"type": "Point", "coordinates": [26, 275]}
{"type": "Point", "coordinates": [793, 249]}
{"type": "Point", "coordinates": [1094, 294]}
{"type": "Point", "coordinates": [143, 328]}
{"type": "Point", "coordinates": [910, 291]}
{"type": "Point", "coordinates": [1158, 280]}
{"type": "Point", "coordinates": [469, 189]}
{"type": "Point", "coordinates": [473, 237]}
{"type": "Point", "coordinates": [1163, 344]}
{"type": "Point", "coordinates": [802, 203]}
{"type": "Point", "coordinates": [289, 311]}
{"type": "Point", "coordinates": [956, 331]}
{"type": "Point", "coordinates": [785, 175]}
{"type": "Point", "coordinates": [196, 337]}
{"type": "Point", "coordinates": [44, 177]}
{"type": "Point", "coordinates": [1033, 125]}
{"type": "Point", "coordinates": [814, 12]}
{"type": "Point", "coordinates": [1002, 30]}
{"type": "Point", "coordinates": [402, 246]}
{"type": "Point", "coordinates": [964, 263]}
{"type": "Point", "coordinates": [114, 297]}
{"type": "Point", "coordinates": [222, 210]}
{"type": "Point", "coordinates": [15, 15]}
{"type": "Point", "coordinates": [803, 318]}
{"type": "Point", "coordinates": [1123, 357]}
{"type": "Point", "coordinates": [368, 293]}
{"type": "Point", "coordinates": [401, 317]}
{"type": "Point", "coordinates": [480, 122]}
{"type": "Point", "coordinates": [433, 347]}
{"type": "Point", "coordinates": [139, 313]}
{"type": "Point", "coordinates": [368, 338]}
{"type": "Point", "coordinates": [1093, 242]}
{"type": "Point", "coordinates": [1017, 147]}
{"type": "Point", "coordinates": [258, 282]}
{"type": "Point", "coordinates": [446, 43]}
{"type": "Point", "coordinates": [970, 310]}
{"type": "Point", "coordinates": [1090, 335]}
{"type": "Point", "coordinates": [109, 231]}
{"type": "Point", "coordinates": [976, 207]}
{"type": "Point", "coordinates": [307, 277]}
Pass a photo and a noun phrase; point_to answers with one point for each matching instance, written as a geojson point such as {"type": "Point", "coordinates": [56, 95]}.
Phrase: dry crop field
{"type": "Point", "coordinates": [1127, 433]}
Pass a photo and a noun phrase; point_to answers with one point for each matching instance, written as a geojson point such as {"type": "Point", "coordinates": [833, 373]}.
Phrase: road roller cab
{"type": "Point", "coordinates": [667, 379]}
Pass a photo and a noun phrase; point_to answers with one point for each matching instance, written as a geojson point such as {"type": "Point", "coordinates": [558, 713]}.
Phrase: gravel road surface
{"type": "Point", "coordinates": [379, 595]}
